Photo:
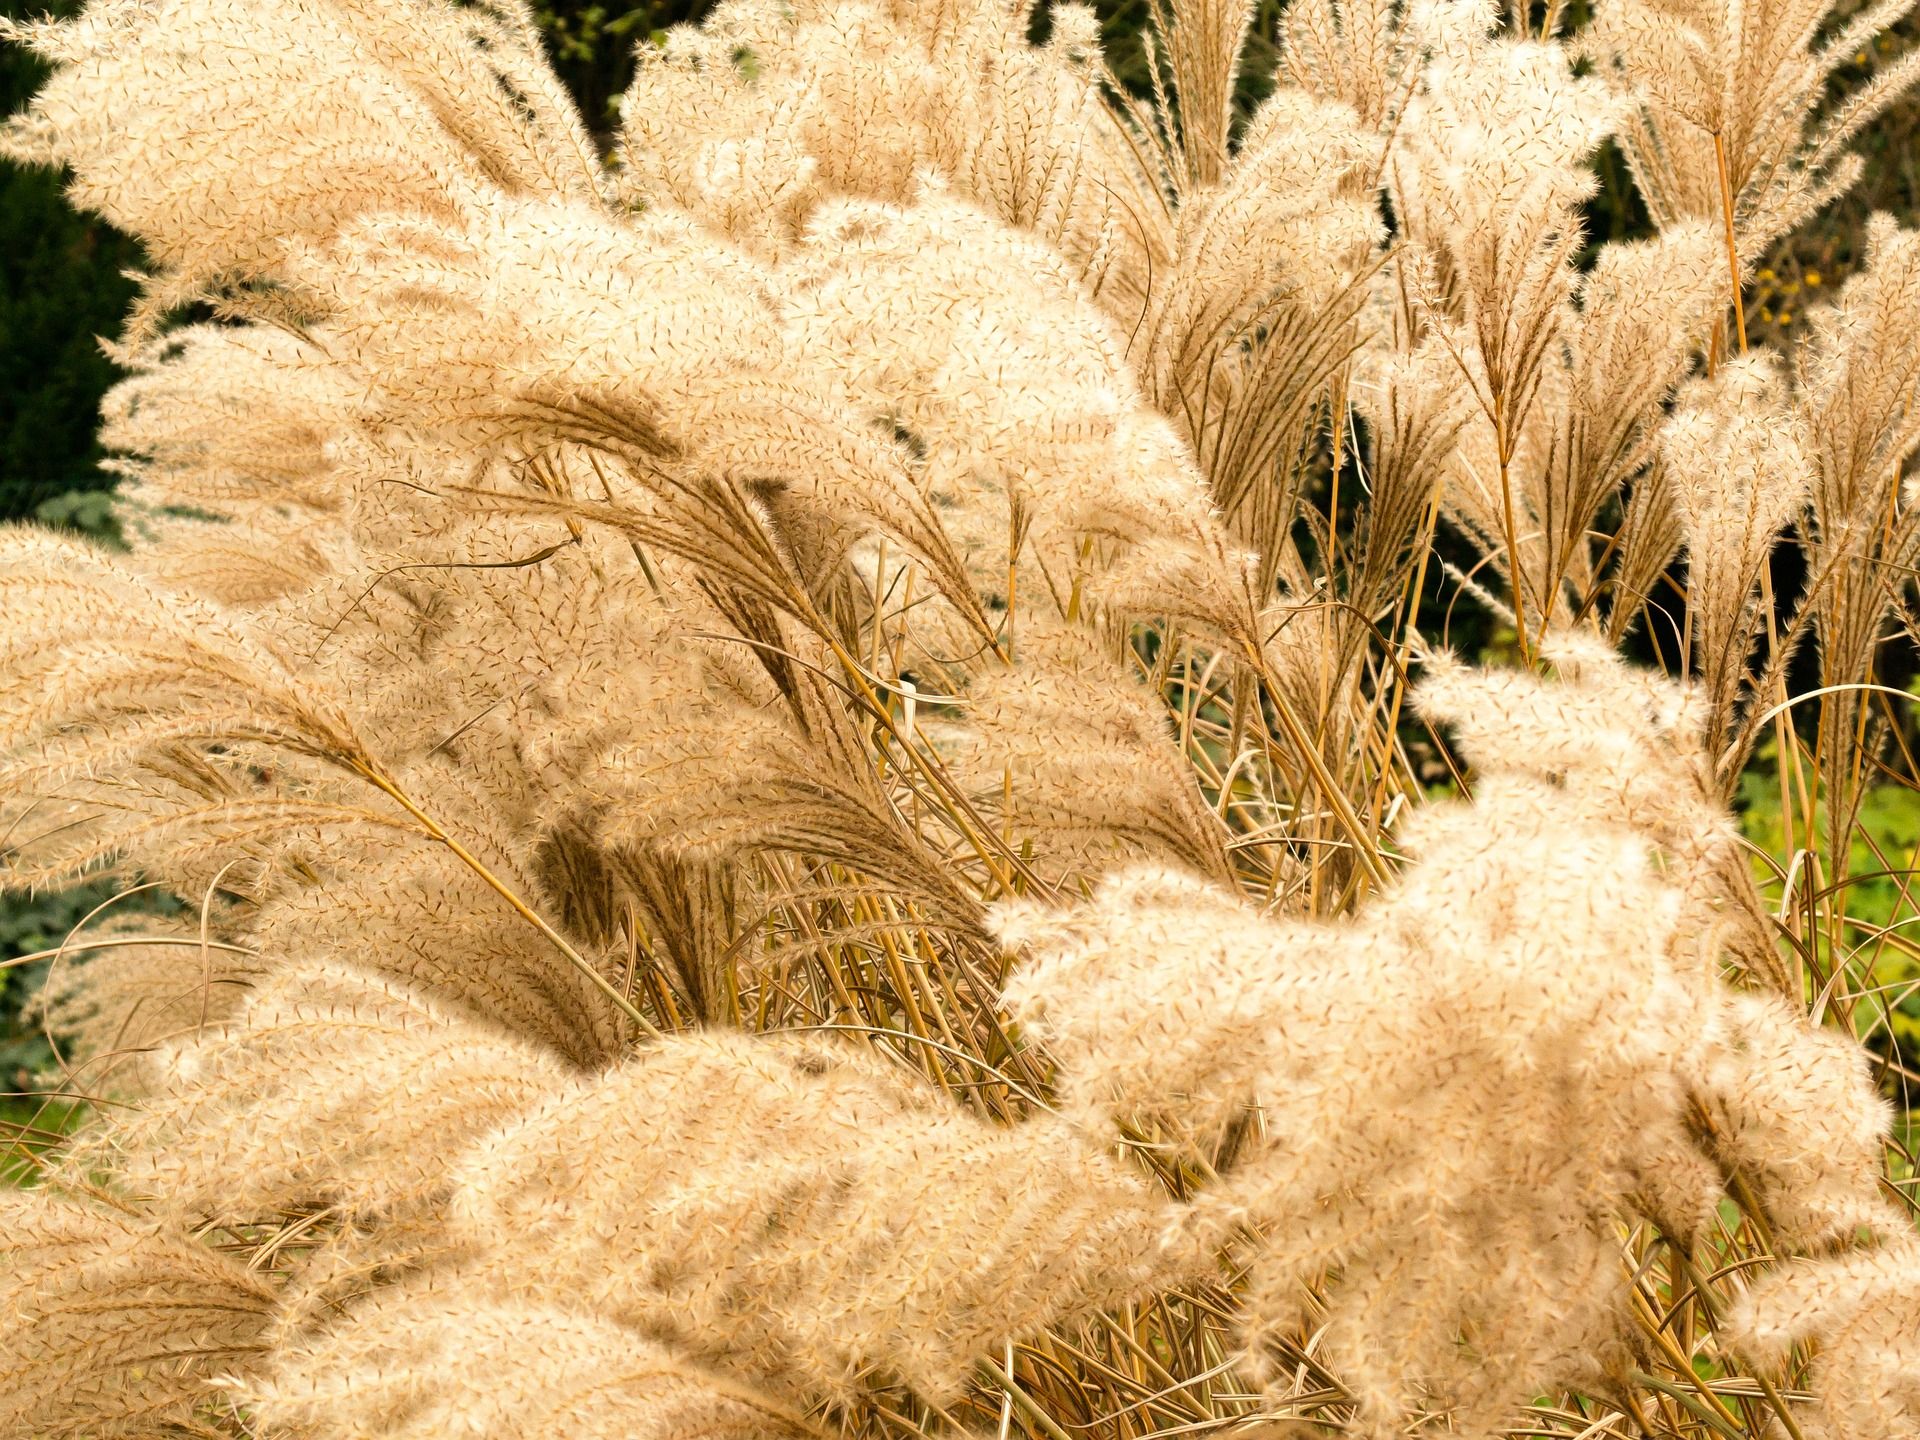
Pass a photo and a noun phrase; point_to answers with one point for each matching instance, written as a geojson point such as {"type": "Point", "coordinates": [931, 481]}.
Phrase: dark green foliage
{"type": "Point", "coordinates": [32, 1110]}
{"type": "Point", "coordinates": [61, 285]}
{"type": "Point", "coordinates": [28, 927]}
{"type": "Point", "coordinates": [592, 48]}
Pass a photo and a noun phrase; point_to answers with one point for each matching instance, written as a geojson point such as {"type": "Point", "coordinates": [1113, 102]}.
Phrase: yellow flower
{"type": "Point", "coordinates": [1766, 315]}
{"type": "Point", "coordinates": [1812, 278]}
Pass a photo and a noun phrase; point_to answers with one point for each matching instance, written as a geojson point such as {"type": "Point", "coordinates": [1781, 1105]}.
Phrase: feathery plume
{"type": "Point", "coordinates": [982, 345]}
{"type": "Point", "coordinates": [1864, 1310]}
{"type": "Point", "coordinates": [116, 1325]}
{"type": "Point", "coordinates": [437, 1361]}
{"type": "Point", "coordinates": [1567, 994]}
{"type": "Point", "coordinates": [329, 1087]}
{"type": "Point", "coordinates": [1795, 1115]}
{"type": "Point", "coordinates": [1729, 114]}
{"type": "Point", "coordinates": [1736, 458]}
{"type": "Point", "coordinates": [1085, 758]}
{"type": "Point", "coordinates": [135, 985]}
{"type": "Point", "coordinates": [1858, 374]}
{"type": "Point", "coordinates": [803, 1214]}
{"type": "Point", "coordinates": [293, 124]}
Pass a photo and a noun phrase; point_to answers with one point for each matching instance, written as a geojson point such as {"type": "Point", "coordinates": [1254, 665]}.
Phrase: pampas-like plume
{"type": "Point", "coordinates": [980, 343]}
{"type": "Point", "coordinates": [116, 1325]}
{"type": "Point", "coordinates": [1864, 1309]}
{"type": "Point", "coordinates": [1793, 1112]}
{"type": "Point", "coordinates": [193, 750]}
{"type": "Point", "coordinates": [1438, 1048]}
{"type": "Point", "coordinates": [685, 792]}
{"type": "Point", "coordinates": [1737, 462]}
{"type": "Point", "coordinates": [1859, 379]}
{"type": "Point", "coordinates": [1204, 39]}
{"type": "Point", "coordinates": [134, 986]}
{"type": "Point", "coordinates": [1724, 99]}
{"type": "Point", "coordinates": [231, 420]}
{"type": "Point", "coordinates": [330, 1087]}
{"type": "Point", "coordinates": [572, 604]}
{"type": "Point", "coordinates": [1363, 53]}
{"type": "Point", "coordinates": [1416, 404]}
{"type": "Point", "coordinates": [855, 100]}
{"type": "Point", "coordinates": [782, 1207]}
{"type": "Point", "coordinates": [801, 1212]}
{"type": "Point", "coordinates": [82, 706]}
{"type": "Point", "coordinates": [293, 121]}
{"type": "Point", "coordinates": [1259, 311]}
{"type": "Point", "coordinates": [430, 1363]}
{"type": "Point", "coordinates": [1566, 397]}
{"type": "Point", "coordinates": [548, 324]}
{"type": "Point", "coordinates": [1489, 267]}
{"type": "Point", "coordinates": [1502, 223]}
{"type": "Point", "coordinates": [1083, 755]}
{"type": "Point", "coordinates": [416, 913]}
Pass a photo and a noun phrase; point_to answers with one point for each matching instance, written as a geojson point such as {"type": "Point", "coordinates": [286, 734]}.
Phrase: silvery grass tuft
{"type": "Point", "coordinates": [787, 756]}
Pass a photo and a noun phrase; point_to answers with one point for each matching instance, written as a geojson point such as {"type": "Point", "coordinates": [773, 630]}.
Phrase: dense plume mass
{"type": "Point", "coordinates": [785, 761]}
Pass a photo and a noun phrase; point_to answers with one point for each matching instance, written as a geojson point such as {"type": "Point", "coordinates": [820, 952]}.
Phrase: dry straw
{"type": "Point", "coordinates": [797, 763]}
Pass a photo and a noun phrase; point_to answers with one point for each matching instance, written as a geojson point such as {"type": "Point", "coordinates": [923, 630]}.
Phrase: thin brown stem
{"type": "Point", "coordinates": [1733, 254]}
{"type": "Point", "coordinates": [383, 783]}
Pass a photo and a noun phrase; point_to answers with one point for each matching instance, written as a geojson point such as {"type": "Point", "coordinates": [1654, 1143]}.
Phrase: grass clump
{"type": "Point", "coordinates": [793, 768]}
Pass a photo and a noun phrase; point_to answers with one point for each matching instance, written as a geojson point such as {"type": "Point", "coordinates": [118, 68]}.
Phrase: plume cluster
{"type": "Point", "coordinates": [400, 1368]}
{"type": "Point", "coordinates": [1440, 1045]}
{"type": "Point", "coordinates": [791, 766]}
{"type": "Point", "coordinates": [116, 1324]}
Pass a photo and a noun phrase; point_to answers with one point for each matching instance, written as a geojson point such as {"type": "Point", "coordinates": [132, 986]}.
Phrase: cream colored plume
{"type": "Point", "coordinates": [1858, 393]}
{"type": "Point", "coordinates": [134, 985]}
{"type": "Point", "coordinates": [855, 100]}
{"type": "Point", "coordinates": [235, 420]}
{"type": "Point", "coordinates": [439, 1360]}
{"type": "Point", "coordinates": [1736, 457]}
{"type": "Point", "coordinates": [98, 726]}
{"type": "Point", "coordinates": [1736, 106]}
{"type": "Point", "coordinates": [1260, 307]}
{"type": "Point", "coordinates": [415, 913]}
{"type": "Point", "coordinates": [1532, 974]}
{"type": "Point", "coordinates": [803, 1213]}
{"type": "Point", "coordinates": [1795, 1113]}
{"type": "Point", "coordinates": [299, 115]}
{"type": "Point", "coordinates": [1084, 759]}
{"type": "Point", "coordinates": [982, 345]}
{"type": "Point", "coordinates": [544, 312]}
{"type": "Point", "coordinates": [1862, 1307]}
{"type": "Point", "coordinates": [1611, 361]}
{"type": "Point", "coordinates": [645, 342]}
{"type": "Point", "coordinates": [1362, 53]}
{"type": "Point", "coordinates": [1204, 40]}
{"type": "Point", "coordinates": [1416, 404]}
{"type": "Point", "coordinates": [116, 1325]}
{"type": "Point", "coordinates": [1487, 174]}
{"type": "Point", "coordinates": [329, 1087]}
